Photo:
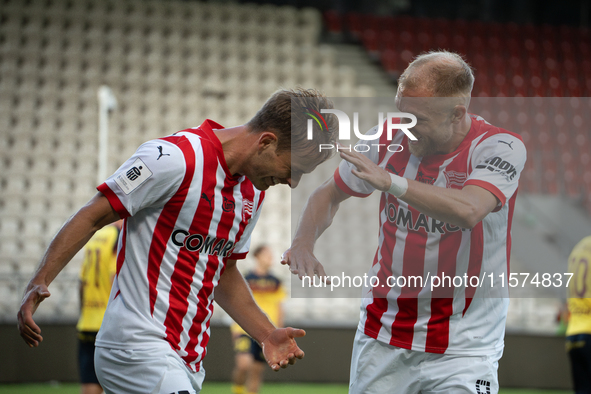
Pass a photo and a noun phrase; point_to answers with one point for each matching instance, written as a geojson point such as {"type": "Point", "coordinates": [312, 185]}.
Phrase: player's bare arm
{"type": "Point", "coordinates": [317, 216]}
{"type": "Point", "coordinates": [464, 208]}
{"type": "Point", "coordinates": [234, 296]}
{"type": "Point", "coordinates": [68, 241]}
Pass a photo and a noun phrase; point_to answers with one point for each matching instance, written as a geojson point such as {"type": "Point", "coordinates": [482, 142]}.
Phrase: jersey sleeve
{"type": "Point", "coordinates": [348, 182]}
{"type": "Point", "coordinates": [497, 163]}
{"type": "Point", "coordinates": [243, 245]}
{"type": "Point", "coordinates": [146, 179]}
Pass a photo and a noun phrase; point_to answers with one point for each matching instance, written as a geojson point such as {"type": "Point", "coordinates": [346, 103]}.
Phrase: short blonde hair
{"type": "Point", "coordinates": [445, 74]}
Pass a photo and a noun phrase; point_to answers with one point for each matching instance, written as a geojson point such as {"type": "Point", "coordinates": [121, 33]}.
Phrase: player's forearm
{"type": "Point", "coordinates": [463, 208]}
{"type": "Point", "coordinates": [72, 237]}
{"type": "Point", "coordinates": [234, 296]}
{"type": "Point", "coordinates": [318, 213]}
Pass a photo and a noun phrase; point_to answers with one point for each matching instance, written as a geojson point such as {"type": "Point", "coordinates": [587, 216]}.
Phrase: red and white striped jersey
{"type": "Point", "coordinates": [185, 216]}
{"type": "Point", "coordinates": [461, 319]}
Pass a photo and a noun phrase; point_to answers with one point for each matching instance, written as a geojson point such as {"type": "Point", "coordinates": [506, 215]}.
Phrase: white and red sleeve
{"type": "Point", "coordinates": [148, 178]}
{"type": "Point", "coordinates": [348, 182]}
{"type": "Point", "coordinates": [496, 165]}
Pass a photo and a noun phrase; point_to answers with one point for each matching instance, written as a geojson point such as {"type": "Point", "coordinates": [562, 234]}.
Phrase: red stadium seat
{"type": "Point", "coordinates": [550, 176]}
{"type": "Point", "coordinates": [370, 42]}
{"type": "Point", "coordinates": [333, 21]}
{"type": "Point", "coordinates": [354, 23]}
{"type": "Point", "coordinates": [389, 60]}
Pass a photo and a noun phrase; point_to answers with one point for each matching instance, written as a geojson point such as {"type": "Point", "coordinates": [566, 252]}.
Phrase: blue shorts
{"type": "Point", "coordinates": [245, 344]}
{"type": "Point", "coordinates": [579, 353]}
{"type": "Point", "coordinates": [86, 357]}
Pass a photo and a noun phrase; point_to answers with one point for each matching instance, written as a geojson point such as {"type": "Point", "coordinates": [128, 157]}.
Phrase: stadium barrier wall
{"type": "Point", "coordinates": [529, 360]}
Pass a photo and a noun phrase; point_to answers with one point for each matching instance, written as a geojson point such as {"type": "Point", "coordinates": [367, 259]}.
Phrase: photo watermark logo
{"type": "Point", "coordinates": [345, 129]}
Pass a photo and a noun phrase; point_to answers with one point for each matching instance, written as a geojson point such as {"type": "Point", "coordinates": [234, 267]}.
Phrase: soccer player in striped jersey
{"type": "Point", "coordinates": [578, 332]}
{"type": "Point", "coordinates": [189, 202]}
{"type": "Point", "coordinates": [446, 207]}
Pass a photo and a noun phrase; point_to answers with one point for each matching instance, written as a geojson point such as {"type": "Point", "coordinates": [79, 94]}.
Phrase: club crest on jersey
{"type": "Point", "coordinates": [247, 207]}
{"type": "Point", "coordinates": [202, 244]}
{"type": "Point", "coordinates": [454, 179]}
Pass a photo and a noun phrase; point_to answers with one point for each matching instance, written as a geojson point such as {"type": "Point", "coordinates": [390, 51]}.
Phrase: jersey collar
{"type": "Point", "coordinates": [208, 127]}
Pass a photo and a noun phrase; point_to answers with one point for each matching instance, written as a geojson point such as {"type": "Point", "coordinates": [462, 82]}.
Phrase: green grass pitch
{"type": "Point", "coordinates": [224, 388]}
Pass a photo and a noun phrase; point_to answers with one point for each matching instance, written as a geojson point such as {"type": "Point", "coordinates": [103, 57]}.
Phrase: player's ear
{"type": "Point", "coordinates": [458, 113]}
{"type": "Point", "coordinates": [267, 140]}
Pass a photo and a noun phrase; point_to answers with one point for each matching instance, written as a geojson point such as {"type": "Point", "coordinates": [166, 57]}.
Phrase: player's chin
{"type": "Point", "coordinates": [260, 184]}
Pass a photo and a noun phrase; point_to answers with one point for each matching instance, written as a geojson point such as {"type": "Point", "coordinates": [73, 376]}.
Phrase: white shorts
{"type": "Point", "coordinates": [378, 368]}
{"type": "Point", "coordinates": [154, 371]}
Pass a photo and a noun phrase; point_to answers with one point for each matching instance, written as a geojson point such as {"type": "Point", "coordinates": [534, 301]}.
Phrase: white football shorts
{"type": "Point", "coordinates": [154, 371]}
{"type": "Point", "coordinates": [378, 368]}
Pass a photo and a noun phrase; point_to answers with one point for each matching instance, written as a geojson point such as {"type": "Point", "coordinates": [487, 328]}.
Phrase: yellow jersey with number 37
{"type": "Point", "coordinates": [579, 289]}
{"type": "Point", "coordinates": [96, 276]}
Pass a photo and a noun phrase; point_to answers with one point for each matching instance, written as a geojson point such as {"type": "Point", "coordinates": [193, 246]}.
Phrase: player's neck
{"type": "Point", "coordinates": [236, 144]}
{"type": "Point", "coordinates": [460, 132]}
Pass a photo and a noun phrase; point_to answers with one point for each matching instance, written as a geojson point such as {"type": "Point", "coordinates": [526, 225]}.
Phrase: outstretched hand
{"type": "Point", "coordinates": [367, 170]}
{"type": "Point", "coordinates": [29, 330]}
{"type": "Point", "coordinates": [280, 348]}
{"type": "Point", "coordinates": [302, 263]}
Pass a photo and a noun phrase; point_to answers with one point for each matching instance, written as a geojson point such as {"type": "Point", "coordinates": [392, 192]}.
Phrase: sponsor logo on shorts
{"type": "Point", "coordinates": [482, 387]}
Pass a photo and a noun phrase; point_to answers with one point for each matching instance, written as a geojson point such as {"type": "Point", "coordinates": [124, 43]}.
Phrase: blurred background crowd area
{"type": "Point", "coordinates": [172, 64]}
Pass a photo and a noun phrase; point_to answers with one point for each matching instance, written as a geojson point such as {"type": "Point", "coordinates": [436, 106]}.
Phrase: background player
{"type": "Point", "coordinates": [96, 277]}
{"type": "Point", "coordinates": [578, 332]}
{"type": "Point", "coordinates": [269, 294]}
{"type": "Point", "coordinates": [190, 202]}
{"type": "Point", "coordinates": [449, 212]}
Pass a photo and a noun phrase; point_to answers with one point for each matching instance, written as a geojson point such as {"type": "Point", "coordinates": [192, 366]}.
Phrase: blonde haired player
{"type": "Point", "coordinates": [269, 294]}
{"type": "Point", "coordinates": [578, 332]}
{"type": "Point", "coordinates": [448, 211]}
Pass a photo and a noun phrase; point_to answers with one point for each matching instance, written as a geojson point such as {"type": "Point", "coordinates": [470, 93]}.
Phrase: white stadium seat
{"type": "Point", "coordinates": [171, 64]}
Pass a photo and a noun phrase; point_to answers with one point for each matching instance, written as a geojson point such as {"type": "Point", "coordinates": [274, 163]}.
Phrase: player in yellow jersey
{"type": "Point", "coordinates": [268, 294]}
{"type": "Point", "coordinates": [578, 332]}
{"type": "Point", "coordinates": [96, 277]}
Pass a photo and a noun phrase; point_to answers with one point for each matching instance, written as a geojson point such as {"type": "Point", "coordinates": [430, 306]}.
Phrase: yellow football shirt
{"type": "Point", "coordinates": [267, 293]}
{"type": "Point", "coordinates": [579, 290]}
{"type": "Point", "coordinates": [98, 269]}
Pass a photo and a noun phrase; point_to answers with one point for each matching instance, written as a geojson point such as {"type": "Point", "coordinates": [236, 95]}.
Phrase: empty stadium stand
{"type": "Point", "coordinates": [173, 63]}
{"type": "Point", "coordinates": [170, 64]}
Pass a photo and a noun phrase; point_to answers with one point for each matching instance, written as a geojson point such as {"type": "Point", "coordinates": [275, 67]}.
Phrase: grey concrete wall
{"type": "Point", "coordinates": [528, 361]}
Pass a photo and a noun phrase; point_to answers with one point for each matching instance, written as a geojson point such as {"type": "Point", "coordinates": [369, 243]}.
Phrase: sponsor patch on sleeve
{"type": "Point", "coordinates": [131, 179]}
